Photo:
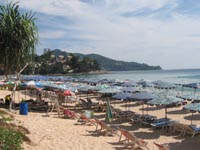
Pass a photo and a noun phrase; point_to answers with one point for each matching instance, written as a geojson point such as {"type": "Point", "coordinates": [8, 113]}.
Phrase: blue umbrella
{"type": "Point", "coordinates": [190, 97]}
{"type": "Point", "coordinates": [122, 95]}
{"type": "Point", "coordinates": [165, 101]}
{"type": "Point", "coordinates": [110, 90]}
{"type": "Point", "coordinates": [130, 84]}
{"type": "Point", "coordinates": [130, 89]}
{"type": "Point", "coordinates": [192, 85]}
{"type": "Point", "coordinates": [143, 96]}
{"type": "Point", "coordinates": [193, 107]}
{"type": "Point", "coordinates": [195, 86]}
{"type": "Point", "coordinates": [163, 85]}
{"type": "Point", "coordinates": [145, 83]}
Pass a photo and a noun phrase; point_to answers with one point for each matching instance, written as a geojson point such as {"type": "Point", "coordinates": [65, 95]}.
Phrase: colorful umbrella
{"type": "Point", "coordinates": [68, 93]}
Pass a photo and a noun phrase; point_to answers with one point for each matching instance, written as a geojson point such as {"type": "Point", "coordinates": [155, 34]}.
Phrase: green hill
{"type": "Point", "coordinates": [110, 64]}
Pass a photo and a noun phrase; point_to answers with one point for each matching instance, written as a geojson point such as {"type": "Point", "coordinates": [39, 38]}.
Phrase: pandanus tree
{"type": "Point", "coordinates": [18, 38]}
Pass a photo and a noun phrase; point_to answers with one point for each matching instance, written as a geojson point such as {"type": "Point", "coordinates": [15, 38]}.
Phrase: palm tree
{"type": "Point", "coordinates": [18, 38]}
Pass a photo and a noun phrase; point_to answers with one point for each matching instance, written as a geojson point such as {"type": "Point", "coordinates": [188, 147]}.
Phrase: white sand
{"type": "Point", "coordinates": [53, 133]}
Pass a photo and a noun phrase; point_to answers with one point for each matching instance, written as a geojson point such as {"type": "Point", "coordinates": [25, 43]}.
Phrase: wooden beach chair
{"type": "Point", "coordinates": [69, 114]}
{"type": "Point", "coordinates": [179, 127]}
{"type": "Point", "coordinates": [131, 140]}
{"type": "Point", "coordinates": [191, 129]}
{"type": "Point", "coordinates": [86, 121]}
{"type": "Point", "coordinates": [162, 122]}
{"type": "Point", "coordinates": [105, 129]}
{"type": "Point", "coordinates": [162, 146]}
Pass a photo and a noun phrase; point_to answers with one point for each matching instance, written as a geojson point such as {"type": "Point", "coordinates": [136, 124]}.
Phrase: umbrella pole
{"type": "Point", "coordinates": [165, 112]}
{"type": "Point", "coordinates": [182, 90]}
{"type": "Point", "coordinates": [147, 108]}
{"type": "Point", "coordinates": [192, 118]}
{"type": "Point", "coordinates": [143, 109]}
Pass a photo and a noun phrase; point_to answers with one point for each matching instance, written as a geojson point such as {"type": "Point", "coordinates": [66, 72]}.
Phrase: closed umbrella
{"type": "Point", "coordinates": [109, 116]}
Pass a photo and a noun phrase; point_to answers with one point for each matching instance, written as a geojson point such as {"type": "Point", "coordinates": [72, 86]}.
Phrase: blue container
{"type": "Point", "coordinates": [23, 107]}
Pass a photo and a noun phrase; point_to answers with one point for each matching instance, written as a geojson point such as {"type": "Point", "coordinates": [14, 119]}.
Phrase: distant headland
{"type": "Point", "coordinates": [58, 62]}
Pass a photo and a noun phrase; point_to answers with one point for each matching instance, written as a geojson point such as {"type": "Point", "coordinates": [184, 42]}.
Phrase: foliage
{"type": "Point", "coordinates": [79, 63]}
{"type": "Point", "coordinates": [60, 63]}
{"type": "Point", "coordinates": [115, 65]}
{"type": "Point", "coordinates": [11, 135]}
{"type": "Point", "coordinates": [10, 140]}
{"type": "Point", "coordinates": [18, 37]}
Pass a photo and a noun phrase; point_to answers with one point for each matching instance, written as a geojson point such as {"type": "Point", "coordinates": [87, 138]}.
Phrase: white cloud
{"type": "Point", "coordinates": [103, 29]}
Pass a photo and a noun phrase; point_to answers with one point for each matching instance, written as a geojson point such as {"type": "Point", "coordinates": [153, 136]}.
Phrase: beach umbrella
{"type": "Point", "coordinates": [163, 85]}
{"type": "Point", "coordinates": [195, 86]}
{"type": "Point", "coordinates": [110, 90]}
{"type": "Point", "coordinates": [143, 96]}
{"type": "Point", "coordinates": [99, 87]}
{"type": "Point", "coordinates": [109, 116]}
{"type": "Point", "coordinates": [130, 89]}
{"type": "Point", "coordinates": [123, 96]}
{"type": "Point", "coordinates": [129, 84]}
{"type": "Point", "coordinates": [85, 88]}
{"type": "Point", "coordinates": [165, 101]}
{"type": "Point", "coordinates": [194, 107]}
{"type": "Point", "coordinates": [68, 93]}
{"type": "Point", "coordinates": [189, 97]}
{"type": "Point", "coordinates": [144, 83]}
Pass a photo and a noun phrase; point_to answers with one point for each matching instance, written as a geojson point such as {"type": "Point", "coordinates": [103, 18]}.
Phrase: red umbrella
{"type": "Point", "coordinates": [68, 93]}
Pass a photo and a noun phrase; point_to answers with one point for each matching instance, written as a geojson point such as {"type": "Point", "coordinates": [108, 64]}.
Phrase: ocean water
{"type": "Point", "coordinates": [183, 76]}
{"type": "Point", "coordinates": [174, 76]}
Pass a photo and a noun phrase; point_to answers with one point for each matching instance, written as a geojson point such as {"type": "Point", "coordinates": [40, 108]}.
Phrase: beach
{"type": "Point", "coordinates": [54, 133]}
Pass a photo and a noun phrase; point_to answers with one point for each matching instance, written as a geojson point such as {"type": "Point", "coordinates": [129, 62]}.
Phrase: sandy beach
{"type": "Point", "coordinates": [53, 133]}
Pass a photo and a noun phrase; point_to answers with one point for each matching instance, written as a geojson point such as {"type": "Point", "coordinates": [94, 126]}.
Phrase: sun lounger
{"type": "Point", "coordinates": [162, 146]}
{"type": "Point", "coordinates": [86, 121]}
{"type": "Point", "coordinates": [179, 127]}
{"type": "Point", "coordinates": [104, 128]}
{"type": "Point", "coordinates": [70, 114]}
{"type": "Point", "coordinates": [131, 140]}
{"type": "Point", "coordinates": [147, 119]}
{"type": "Point", "coordinates": [162, 122]}
{"type": "Point", "coordinates": [119, 114]}
{"type": "Point", "coordinates": [191, 129]}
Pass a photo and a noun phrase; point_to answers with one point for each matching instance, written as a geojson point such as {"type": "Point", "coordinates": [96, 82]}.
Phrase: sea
{"type": "Point", "coordinates": [179, 76]}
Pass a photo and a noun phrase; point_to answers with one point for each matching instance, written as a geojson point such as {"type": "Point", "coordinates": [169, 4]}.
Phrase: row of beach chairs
{"type": "Point", "coordinates": [127, 138]}
{"type": "Point", "coordinates": [153, 121]}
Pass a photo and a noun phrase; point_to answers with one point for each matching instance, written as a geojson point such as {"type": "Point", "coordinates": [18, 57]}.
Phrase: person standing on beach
{"type": "Point", "coordinates": [8, 100]}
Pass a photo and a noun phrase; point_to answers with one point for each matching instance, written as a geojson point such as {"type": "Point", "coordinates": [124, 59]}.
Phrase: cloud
{"type": "Point", "coordinates": [138, 30]}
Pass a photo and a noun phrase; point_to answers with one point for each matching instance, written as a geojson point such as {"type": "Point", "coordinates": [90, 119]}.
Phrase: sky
{"type": "Point", "coordinates": [155, 32]}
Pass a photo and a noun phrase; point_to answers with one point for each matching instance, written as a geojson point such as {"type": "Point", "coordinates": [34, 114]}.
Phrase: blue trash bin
{"type": "Point", "coordinates": [23, 107]}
